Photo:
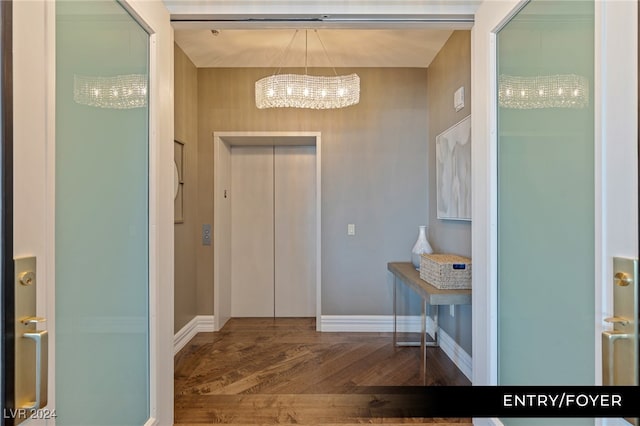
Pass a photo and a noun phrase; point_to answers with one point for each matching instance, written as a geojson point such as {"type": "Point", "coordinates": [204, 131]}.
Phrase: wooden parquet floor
{"type": "Point", "coordinates": [272, 371]}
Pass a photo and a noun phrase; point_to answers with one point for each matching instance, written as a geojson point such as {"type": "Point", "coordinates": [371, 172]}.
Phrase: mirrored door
{"type": "Point", "coordinates": [101, 215]}
{"type": "Point", "coordinates": [546, 252]}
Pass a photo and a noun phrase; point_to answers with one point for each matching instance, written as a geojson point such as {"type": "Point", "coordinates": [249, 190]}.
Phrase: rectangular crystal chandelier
{"type": "Point", "coordinates": [307, 91]}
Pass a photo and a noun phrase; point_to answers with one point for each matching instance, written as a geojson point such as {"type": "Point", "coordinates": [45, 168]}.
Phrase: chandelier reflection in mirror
{"type": "Point", "coordinates": [546, 91]}
{"type": "Point", "coordinates": [307, 91]}
{"type": "Point", "coordinates": [116, 92]}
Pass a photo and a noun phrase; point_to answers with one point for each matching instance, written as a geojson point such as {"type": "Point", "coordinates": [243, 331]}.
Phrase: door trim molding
{"type": "Point", "coordinates": [487, 422]}
{"type": "Point", "coordinates": [221, 241]}
{"type": "Point", "coordinates": [7, 356]}
{"type": "Point", "coordinates": [154, 17]}
{"type": "Point", "coordinates": [490, 17]}
{"type": "Point", "coordinates": [152, 422]}
{"type": "Point", "coordinates": [616, 166]}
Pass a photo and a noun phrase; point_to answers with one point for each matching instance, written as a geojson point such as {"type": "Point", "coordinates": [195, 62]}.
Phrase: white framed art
{"type": "Point", "coordinates": [453, 171]}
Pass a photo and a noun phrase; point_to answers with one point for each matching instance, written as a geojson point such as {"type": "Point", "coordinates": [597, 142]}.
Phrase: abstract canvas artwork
{"type": "Point", "coordinates": [453, 171]}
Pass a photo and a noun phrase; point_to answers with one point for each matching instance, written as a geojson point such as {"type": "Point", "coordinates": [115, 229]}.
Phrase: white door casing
{"type": "Point", "coordinates": [34, 178]}
{"type": "Point", "coordinates": [616, 168]}
{"type": "Point", "coordinates": [222, 143]}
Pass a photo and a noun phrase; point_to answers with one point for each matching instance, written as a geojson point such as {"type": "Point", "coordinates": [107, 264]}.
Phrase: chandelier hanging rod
{"type": "Point", "coordinates": [285, 52]}
{"type": "Point", "coordinates": [325, 52]}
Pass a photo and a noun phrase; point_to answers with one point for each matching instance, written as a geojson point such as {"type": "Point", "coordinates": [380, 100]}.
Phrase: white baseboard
{"type": "Point", "coordinates": [199, 324]}
{"type": "Point", "coordinates": [449, 346]}
{"type": "Point", "coordinates": [368, 323]}
{"type": "Point", "coordinates": [384, 324]}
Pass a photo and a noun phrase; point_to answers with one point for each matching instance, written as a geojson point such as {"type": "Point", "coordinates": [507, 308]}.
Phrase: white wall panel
{"type": "Point", "coordinates": [252, 232]}
{"type": "Point", "coordinates": [295, 220]}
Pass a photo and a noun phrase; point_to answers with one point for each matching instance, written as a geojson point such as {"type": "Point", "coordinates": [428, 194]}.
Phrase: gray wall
{"type": "Point", "coordinates": [186, 234]}
{"type": "Point", "coordinates": [374, 171]}
{"type": "Point", "coordinates": [378, 172]}
{"type": "Point", "coordinates": [450, 69]}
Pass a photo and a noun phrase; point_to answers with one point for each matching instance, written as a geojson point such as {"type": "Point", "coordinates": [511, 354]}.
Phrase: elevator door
{"type": "Point", "coordinates": [273, 231]}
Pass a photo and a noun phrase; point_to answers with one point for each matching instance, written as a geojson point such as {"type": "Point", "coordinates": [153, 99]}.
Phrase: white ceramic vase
{"type": "Point", "coordinates": [420, 247]}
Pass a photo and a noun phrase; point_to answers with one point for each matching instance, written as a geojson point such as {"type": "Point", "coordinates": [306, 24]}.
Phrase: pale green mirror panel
{"type": "Point", "coordinates": [102, 216]}
{"type": "Point", "coordinates": [546, 298]}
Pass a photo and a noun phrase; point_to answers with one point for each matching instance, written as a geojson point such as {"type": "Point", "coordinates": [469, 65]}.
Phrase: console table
{"type": "Point", "coordinates": [406, 273]}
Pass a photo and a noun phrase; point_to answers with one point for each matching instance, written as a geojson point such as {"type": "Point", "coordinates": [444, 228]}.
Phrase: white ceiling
{"type": "Point", "coordinates": [356, 33]}
{"type": "Point", "coordinates": [345, 47]}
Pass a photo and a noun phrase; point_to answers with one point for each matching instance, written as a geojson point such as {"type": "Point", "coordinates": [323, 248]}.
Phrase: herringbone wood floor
{"type": "Point", "coordinates": [270, 371]}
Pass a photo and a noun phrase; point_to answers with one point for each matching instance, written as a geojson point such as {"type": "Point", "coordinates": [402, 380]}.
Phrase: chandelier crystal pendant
{"type": "Point", "coordinates": [307, 91]}
{"type": "Point", "coordinates": [545, 91]}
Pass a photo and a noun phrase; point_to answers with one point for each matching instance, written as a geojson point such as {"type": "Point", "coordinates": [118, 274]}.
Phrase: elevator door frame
{"type": "Point", "coordinates": [223, 141]}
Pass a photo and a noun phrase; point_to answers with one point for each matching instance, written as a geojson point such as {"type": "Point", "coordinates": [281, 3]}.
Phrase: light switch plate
{"type": "Point", "coordinates": [206, 234]}
{"type": "Point", "coordinates": [458, 99]}
{"type": "Point", "coordinates": [351, 229]}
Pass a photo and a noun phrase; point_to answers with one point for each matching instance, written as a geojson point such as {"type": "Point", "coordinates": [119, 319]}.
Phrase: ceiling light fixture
{"type": "Point", "coordinates": [543, 91]}
{"type": "Point", "coordinates": [307, 91]}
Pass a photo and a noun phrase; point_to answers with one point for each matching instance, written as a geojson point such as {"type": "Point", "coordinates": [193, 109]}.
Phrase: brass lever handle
{"type": "Point", "coordinates": [33, 320]}
{"type": "Point", "coordinates": [617, 320]}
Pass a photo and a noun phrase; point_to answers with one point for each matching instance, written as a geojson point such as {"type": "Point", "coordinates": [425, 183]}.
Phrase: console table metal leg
{"type": "Point", "coordinates": [436, 331]}
{"type": "Point", "coordinates": [395, 313]}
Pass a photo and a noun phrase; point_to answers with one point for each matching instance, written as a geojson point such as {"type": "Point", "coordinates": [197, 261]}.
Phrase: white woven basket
{"type": "Point", "coordinates": [446, 271]}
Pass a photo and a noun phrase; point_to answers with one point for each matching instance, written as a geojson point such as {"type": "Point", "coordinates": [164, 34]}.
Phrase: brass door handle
{"type": "Point", "coordinates": [41, 340]}
{"type": "Point", "coordinates": [609, 338]}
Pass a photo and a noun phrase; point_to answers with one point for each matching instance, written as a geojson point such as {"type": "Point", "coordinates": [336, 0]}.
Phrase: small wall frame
{"type": "Point", "coordinates": [178, 181]}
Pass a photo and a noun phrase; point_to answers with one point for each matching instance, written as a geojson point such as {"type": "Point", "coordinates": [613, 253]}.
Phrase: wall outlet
{"type": "Point", "coordinates": [452, 310]}
{"type": "Point", "coordinates": [351, 229]}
